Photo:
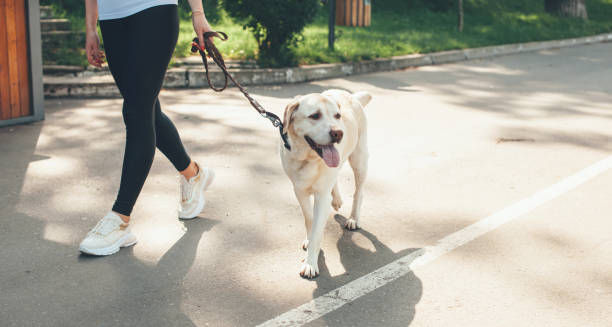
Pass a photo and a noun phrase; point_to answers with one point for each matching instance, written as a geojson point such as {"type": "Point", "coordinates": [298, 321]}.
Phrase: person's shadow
{"type": "Point", "coordinates": [392, 304]}
{"type": "Point", "coordinates": [163, 282]}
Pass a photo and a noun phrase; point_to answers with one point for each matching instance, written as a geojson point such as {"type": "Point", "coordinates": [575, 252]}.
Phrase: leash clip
{"type": "Point", "coordinates": [278, 123]}
{"type": "Point", "coordinates": [212, 52]}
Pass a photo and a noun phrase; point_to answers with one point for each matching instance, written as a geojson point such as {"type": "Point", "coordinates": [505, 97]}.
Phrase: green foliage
{"type": "Point", "coordinates": [72, 7]}
{"type": "Point", "coordinates": [276, 25]}
{"type": "Point", "coordinates": [441, 5]}
{"type": "Point", "coordinates": [241, 44]}
{"type": "Point", "coordinates": [212, 9]}
{"type": "Point", "coordinates": [402, 27]}
{"type": "Point", "coordinates": [71, 51]}
{"type": "Point", "coordinates": [413, 28]}
{"type": "Point", "coordinates": [67, 51]}
{"type": "Point", "coordinates": [406, 5]}
{"type": "Point", "coordinates": [68, 54]}
{"type": "Point", "coordinates": [76, 8]}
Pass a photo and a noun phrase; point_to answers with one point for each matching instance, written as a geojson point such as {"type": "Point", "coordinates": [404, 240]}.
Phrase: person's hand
{"type": "Point", "coordinates": [92, 45]}
{"type": "Point", "coordinates": [200, 26]}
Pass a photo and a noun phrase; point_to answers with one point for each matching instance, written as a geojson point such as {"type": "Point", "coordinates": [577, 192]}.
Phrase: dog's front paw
{"type": "Point", "coordinates": [351, 224]}
{"type": "Point", "coordinates": [305, 245]}
{"type": "Point", "coordinates": [336, 203]}
{"type": "Point", "coordinates": [309, 271]}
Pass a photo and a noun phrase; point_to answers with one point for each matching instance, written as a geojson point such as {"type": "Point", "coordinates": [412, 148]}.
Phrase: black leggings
{"type": "Point", "coordinates": [138, 49]}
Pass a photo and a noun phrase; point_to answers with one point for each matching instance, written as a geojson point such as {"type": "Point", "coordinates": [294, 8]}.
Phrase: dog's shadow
{"type": "Point", "coordinates": [396, 300]}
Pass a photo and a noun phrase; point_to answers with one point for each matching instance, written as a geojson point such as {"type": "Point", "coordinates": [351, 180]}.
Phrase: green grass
{"type": "Point", "coordinates": [405, 27]}
{"type": "Point", "coordinates": [241, 43]}
{"type": "Point", "coordinates": [418, 30]}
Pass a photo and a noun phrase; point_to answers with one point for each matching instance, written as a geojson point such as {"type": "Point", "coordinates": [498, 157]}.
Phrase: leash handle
{"type": "Point", "coordinates": [211, 51]}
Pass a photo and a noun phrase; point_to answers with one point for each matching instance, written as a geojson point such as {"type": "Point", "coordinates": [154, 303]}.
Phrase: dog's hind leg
{"type": "Point", "coordinates": [336, 198]}
{"type": "Point", "coordinates": [306, 204]}
{"type": "Point", "coordinates": [359, 162]}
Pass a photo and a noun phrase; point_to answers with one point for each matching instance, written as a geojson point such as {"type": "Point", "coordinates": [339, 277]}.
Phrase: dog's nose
{"type": "Point", "coordinates": [336, 135]}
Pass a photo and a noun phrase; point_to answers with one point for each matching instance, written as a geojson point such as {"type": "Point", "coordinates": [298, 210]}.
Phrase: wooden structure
{"type": "Point", "coordinates": [353, 12]}
{"type": "Point", "coordinates": [21, 92]}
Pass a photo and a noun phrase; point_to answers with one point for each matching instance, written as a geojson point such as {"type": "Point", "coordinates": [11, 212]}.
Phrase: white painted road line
{"type": "Point", "coordinates": [349, 292]}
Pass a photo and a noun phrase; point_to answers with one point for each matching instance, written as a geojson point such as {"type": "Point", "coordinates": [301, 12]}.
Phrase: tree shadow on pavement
{"type": "Point", "coordinates": [43, 279]}
{"type": "Point", "coordinates": [292, 90]}
{"type": "Point", "coordinates": [397, 299]}
{"type": "Point", "coordinates": [526, 87]}
{"type": "Point", "coordinates": [40, 282]}
{"type": "Point", "coordinates": [18, 150]}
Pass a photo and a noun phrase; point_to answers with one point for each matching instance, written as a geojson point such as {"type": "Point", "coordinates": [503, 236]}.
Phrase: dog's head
{"type": "Point", "coordinates": [317, 120]}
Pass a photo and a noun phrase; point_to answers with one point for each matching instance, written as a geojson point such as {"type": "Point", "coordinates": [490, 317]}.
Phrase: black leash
{"type": "Point", "coordinates": [215, 55]}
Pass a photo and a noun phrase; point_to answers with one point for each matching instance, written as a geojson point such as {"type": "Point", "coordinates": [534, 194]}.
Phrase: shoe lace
{"type": "Point", "coordinates": [103, 227]}
{"type": "Point", "coordinates": [186, 190]}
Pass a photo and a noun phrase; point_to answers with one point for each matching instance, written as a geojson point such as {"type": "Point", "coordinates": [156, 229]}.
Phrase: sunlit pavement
{"type": "Point", "coordinates": [449, 145]}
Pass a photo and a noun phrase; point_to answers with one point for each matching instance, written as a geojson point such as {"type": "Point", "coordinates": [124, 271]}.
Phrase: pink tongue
{"type": "Point", "coordinates": [330, 155]}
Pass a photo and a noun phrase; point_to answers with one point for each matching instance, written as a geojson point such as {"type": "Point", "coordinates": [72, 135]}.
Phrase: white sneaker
{"type": "Point", "coordinates": [108, 236]}
{"type": "Point", "coordinates": [192, 193]}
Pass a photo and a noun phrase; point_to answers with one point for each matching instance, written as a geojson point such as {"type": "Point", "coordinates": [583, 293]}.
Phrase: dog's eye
{"type": "Point", "coordinates": [337, 116]}
{"type": "Point", "coordinates": [315, 116]}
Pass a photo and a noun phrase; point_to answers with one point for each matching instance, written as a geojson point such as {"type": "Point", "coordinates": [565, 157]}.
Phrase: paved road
{"type": "Point", "coordinates": [450, 145]}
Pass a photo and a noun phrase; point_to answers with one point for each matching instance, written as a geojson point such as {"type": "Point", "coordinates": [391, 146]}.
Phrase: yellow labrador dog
{"type": "Point", "coordinates": [324, 130]}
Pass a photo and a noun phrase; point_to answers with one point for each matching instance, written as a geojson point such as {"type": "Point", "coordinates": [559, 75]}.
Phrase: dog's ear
{"type": "Point", "coordinates": [288, 117]}
{"type": "Point", "coordinates": [363, 97]}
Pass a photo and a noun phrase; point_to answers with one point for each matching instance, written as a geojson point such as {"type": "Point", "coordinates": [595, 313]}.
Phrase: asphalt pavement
{"type": "Point", "coordinates": [450, 145]}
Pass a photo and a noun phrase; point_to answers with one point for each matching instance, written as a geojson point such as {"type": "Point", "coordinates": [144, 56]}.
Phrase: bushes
{"type": "Point", "coordinates": [276, 25]}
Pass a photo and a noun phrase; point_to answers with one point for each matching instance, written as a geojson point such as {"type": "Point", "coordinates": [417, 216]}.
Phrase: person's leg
{"type": "Point", "coordinates": [139, 49]}
{"type": "Point", "coordinates": [149, 40]}
{"type": "Point", "coordinates": [116, 50]}
{"type": "Point", "coordinates": [170, 144]}
{"type": "Point", "coordinates": [194, 181]}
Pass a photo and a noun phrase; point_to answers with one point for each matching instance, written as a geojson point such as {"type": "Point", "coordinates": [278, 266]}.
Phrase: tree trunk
{"type": "Point", "coordinates": [567, 8]}
{"type": "Point", "coordinates": [460, 12]}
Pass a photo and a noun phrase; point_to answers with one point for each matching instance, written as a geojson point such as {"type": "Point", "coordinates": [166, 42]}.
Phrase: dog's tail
{"type": "Point", "coordinates": [363, 97]}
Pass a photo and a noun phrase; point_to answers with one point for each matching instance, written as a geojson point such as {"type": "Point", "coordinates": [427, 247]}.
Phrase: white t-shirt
{"type": "Point", "coordinates": [113, 9]}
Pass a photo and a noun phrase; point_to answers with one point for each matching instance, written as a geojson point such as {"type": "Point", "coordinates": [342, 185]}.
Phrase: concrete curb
{"type": "Point", "coordinates": [101, 85]}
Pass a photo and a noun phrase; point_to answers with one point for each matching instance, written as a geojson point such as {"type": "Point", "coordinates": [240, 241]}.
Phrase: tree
{"type": "Point", "coordinates": [567, 8]}
{"type": "Point", "coordinates": [460, 12]}
{"type": "Point", "coordinates": [276, 25]}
